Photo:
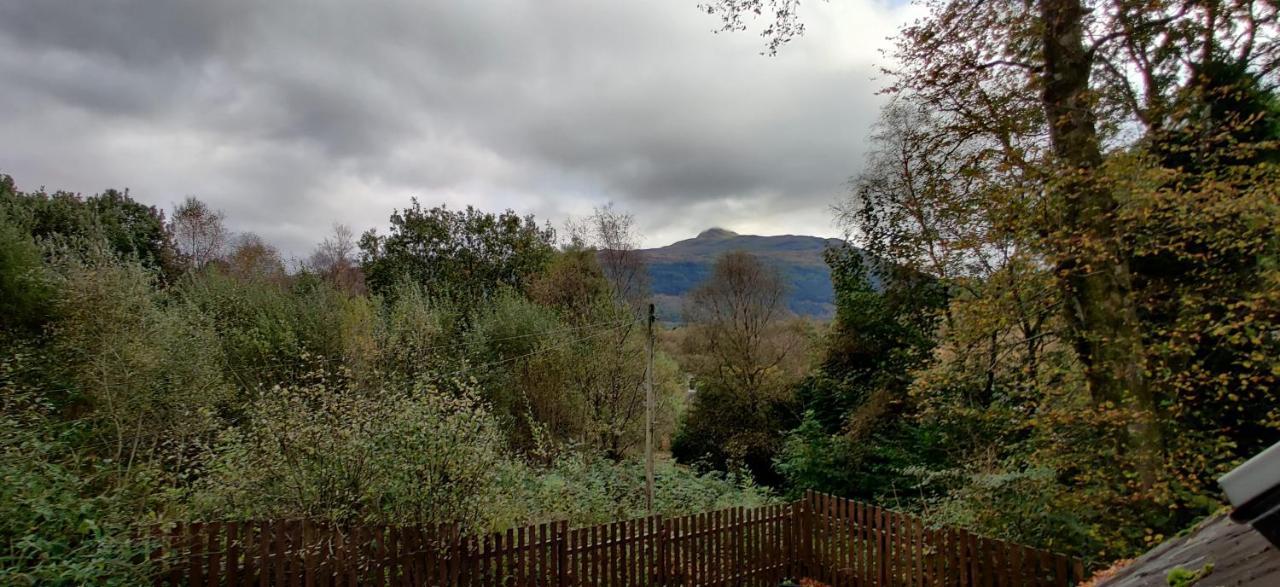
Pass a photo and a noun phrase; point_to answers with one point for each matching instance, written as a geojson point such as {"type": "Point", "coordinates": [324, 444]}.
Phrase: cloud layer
{"type": "Point", "coordinates": [290, 115]}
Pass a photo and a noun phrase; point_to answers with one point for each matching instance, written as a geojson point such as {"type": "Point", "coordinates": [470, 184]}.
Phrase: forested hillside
{"type": "Point", "coordinates": [158, 367]}
{"type": "Point", "coordinates": [1056, 323]}
{"type": "Point", "coordinates": [678, 268]}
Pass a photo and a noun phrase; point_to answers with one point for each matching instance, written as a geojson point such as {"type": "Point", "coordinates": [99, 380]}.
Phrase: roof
{"type": "Point", "coordinates": [1239, 555]}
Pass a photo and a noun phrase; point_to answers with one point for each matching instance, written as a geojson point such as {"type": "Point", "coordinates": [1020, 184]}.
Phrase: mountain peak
{"type": "Point", "coordinates": [716, 232]}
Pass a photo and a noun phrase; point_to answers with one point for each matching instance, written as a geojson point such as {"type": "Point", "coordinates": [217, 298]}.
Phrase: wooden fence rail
{"type": "Point", "coordinates": [833, 540]}
{"type": "Point", "coordinates": [849, 543]}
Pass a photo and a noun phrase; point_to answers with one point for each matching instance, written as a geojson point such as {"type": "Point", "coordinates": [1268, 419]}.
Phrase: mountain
{"type": "Point", "coordinates": [677, 268]}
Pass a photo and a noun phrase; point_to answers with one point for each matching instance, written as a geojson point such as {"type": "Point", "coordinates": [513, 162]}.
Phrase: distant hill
{"type": "Point", "coordinates": [679, 267]}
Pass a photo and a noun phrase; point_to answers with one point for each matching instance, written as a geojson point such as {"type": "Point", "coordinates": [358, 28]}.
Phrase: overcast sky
{"type": "Point", "coordinates": [290, 115]}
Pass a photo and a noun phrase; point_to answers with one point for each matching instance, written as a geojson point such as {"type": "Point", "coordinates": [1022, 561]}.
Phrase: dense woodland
{"type": "Point", "coordinates": [1058, 321]}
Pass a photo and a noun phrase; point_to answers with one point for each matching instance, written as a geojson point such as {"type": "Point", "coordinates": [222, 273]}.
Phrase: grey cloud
{"type": "Point", "coordinates": [290, 115]}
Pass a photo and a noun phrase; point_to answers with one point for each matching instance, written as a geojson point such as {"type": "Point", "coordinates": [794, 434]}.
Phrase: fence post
{"type": "Point", "coordinates": [796, 547]}
{"type": "Point", "coordinates": [559, 546]}
{"type": "Point", "coordinates": [882, 545]}
{"type": "Point", "coordinates": [806, 519]}
{"type": "Point", "coordinates": [794, 552]}
{"type": "Point", "coordinates": [662, 550]}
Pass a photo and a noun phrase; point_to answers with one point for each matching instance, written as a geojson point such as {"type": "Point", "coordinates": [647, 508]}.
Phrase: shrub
{"type": "Point", "coordinates": [324, 449]}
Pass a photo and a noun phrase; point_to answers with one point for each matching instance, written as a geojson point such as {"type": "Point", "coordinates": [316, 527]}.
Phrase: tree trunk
{"type": "Point", "coordinates": [1092, 271]}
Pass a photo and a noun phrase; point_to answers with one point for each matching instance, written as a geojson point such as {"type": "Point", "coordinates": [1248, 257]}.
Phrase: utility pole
{"type": "Point", "coordinates": [648, 420]}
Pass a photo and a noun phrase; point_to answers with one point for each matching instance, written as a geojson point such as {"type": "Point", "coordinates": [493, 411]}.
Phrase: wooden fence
{"type": "Point", "coordinates": [833, 540]}
{"type": "Point", "coordinates": [844, 542]}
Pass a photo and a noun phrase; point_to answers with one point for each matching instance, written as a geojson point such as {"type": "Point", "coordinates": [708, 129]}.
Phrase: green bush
{"type": "Point", "coordinates": [146, 373]}
{"type": "Point", "coordinates": [64, 519]}
{"type": "Point", "coordinates": [586, 488]}
{"type": "Point", "coordinates": [25, 290]}
{"type": "Point", "coordinates": [323, 449]}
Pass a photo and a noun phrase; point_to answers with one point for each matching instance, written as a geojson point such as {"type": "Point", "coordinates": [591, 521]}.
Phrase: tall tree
{"type": "Point", "coordinates": [335, 259]}
{"type": "Point", "coordinates": [199, 232]}
{"type": "Point", "coordinates": [251, 257]}
{"type": "Point", "coordinates": [745, 350]}
{"type": "Point", "coordinates": [130, 229]}
{"type": "Point", "coordinates": [1050, 86]}
{"type": "Point", "coordinates": [738, 313]}
{"type": "Point", "coordinates": [613, 236]}
{"type": "Point", "coordinates": [467, 255]}
{"type": "Point", "coordinates": [1093, 271]}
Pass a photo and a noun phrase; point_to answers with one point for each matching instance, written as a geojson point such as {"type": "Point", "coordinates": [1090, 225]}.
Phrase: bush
{"type": "Point", "coordinates": [324, 449]}
{"type": "Point", "coordinates": [147, 373]}
{"type": "Point", "coordinates": [63, 519]}
{"type": "Point", "coordinates": [25, 291]}
{"type": "Point", "coordinates": [586, 488]}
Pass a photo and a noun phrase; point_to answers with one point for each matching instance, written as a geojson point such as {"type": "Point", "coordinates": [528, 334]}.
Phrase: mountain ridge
{"type": "Point", "coordinates": [679, 267]}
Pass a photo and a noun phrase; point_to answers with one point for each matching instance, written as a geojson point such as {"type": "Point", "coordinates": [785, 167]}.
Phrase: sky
{"type": "Point", "coordinates": [291, 115]}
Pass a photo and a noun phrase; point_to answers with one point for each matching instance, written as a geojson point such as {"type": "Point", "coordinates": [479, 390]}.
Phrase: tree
{"type": "Point", "coordinates": [334, 259]}
{"type": "Point", "coordinates": [130, 229]}
{"type": "Point", "coordinates": [602, 277]}
{"type": "Point", "coordinates": [1117, 151]}
{"type": "Point", "coordinates": [252, 258]}
{"type": "Point", "coordinates": [466, 255]}
{"type": "Point", "coordinates": [1094, 275]}
{"type": "Point", "coordinates": [740, 315]}
{"type": "Point", "coordinates": [745, 350]}
{"type": "Point", "coordinates": [1051, 86]}
{"type": "Point", "coordinates": [135, 230]}
{"type": "Point", "coordinates": [26, 292]}
{"type": "Point", "coordinates": [199, 232]}
{"type": "Point", "coordinates": [612, 235]}
{"type": "Point", "coordinates": [147, 373]}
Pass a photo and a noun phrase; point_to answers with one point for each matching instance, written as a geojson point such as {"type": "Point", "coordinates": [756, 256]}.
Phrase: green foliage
{"type": "Point", "coordinates": [540, 388]}
{"type": "Point", "coordinates": [25, 289]}
{"type": "Point", "coordinates": [585, 488]}
{"type": "Point", "coordinates": [466, 256]}
{"type": "Point", "coordinates": [57, 528]}
{"type": "Point", "coordinates": [146, 372]}
{"type": "Point", "coordinates": [329, 451]}
{"type": "Point", "coordinates": [326, 450]}
{"type": "Point", "coordinates": [746, 442]}
{"type": "Point", "coordinates": [852, 441]}
{"type": "Point", "coordinates": [527, 353]}
{"type": "Point", "coordinates": [812, 458]}
{"type": "Point", "coordinates": [129, 229]}
{"type": "Point", "coordinates": [268, 330]}
{"type": "Point", "coordinates": [62, 519]}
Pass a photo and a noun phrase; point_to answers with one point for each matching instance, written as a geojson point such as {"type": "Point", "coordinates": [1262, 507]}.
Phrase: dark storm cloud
{"type": "Point", "coordinates": [290, 115]}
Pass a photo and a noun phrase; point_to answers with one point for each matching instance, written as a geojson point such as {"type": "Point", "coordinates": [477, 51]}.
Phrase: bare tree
{"type": "Point", "coordinates": [612, 233]}
{"type": "Point", "coordinates": [198, 232]}
{"type": "Point", "coordinates": [744, 332]}
{"type": "Point", "coordinates": [615, 396]}
{"type": "Point", "coordinates": [334, 258]}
